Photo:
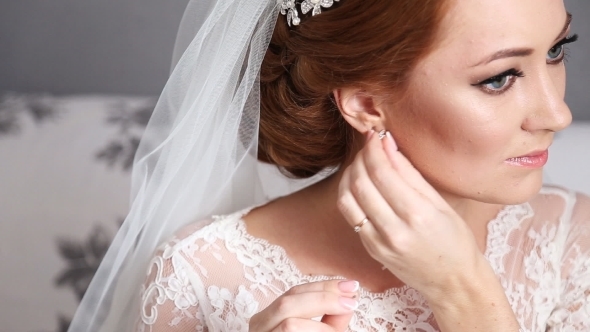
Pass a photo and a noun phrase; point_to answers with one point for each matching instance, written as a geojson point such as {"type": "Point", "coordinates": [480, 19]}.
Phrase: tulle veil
{"type": "Point", "coordinates": [197, 157]}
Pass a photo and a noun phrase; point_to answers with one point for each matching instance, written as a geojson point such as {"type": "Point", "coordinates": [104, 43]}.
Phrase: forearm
{"type": "Point", "coordinates": [478, 304]}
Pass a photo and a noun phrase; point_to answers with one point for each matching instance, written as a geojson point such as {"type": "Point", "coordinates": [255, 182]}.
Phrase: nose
{"type": "Point", "coordinates": [549, 112]}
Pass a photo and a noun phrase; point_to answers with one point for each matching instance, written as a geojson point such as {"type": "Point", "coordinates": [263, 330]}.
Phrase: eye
{"type": "Point", "coordinates": [556, 54]}
{"type": "Point", "coordinates": [500, 83]}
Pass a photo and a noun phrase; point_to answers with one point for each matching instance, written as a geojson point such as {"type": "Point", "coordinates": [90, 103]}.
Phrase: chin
{"type": "Point", "coordinates": [520, 190]}
{"type": "Point", "coordinates": [505, 189]}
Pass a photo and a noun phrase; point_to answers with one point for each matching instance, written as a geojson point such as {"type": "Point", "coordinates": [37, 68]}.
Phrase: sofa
{"type": "Point", "coordinates": [64, 191]}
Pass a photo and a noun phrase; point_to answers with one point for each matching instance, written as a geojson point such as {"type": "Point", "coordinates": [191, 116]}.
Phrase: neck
{"type": "Point", "coordinates": [314, 233]}
{"type": "Point", "coordinates": [321, 199]}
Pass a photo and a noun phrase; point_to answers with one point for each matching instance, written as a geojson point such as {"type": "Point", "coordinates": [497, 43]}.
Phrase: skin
{"type": "Point", "coordinates": [431, 187]}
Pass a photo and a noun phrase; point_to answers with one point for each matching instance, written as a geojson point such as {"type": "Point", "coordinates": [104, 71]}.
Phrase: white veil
{"type": "Point", "coordinates": [198, 154]}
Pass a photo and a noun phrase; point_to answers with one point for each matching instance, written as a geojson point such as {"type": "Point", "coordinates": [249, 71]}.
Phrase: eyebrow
{"type": "Point", "coordinates": [522, 52]}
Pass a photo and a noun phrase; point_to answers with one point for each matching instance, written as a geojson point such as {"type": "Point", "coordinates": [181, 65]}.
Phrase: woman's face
{"type": "Point", "coordinates": [491, 91]}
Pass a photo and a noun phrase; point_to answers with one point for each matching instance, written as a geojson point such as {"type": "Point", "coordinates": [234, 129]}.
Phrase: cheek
{"type": "Point", "coordinates": [454, 141]}
{"type": "Point", "coordinates": [558, 74]}
{"type": "Point", "coordinates": [456, 128]}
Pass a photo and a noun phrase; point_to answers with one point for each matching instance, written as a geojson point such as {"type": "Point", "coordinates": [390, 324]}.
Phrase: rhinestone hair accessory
{"type": "Point", "coordinates": [289, 8]}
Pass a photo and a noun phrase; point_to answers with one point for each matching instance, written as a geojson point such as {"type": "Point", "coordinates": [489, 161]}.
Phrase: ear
{"type": "Point", "coordinates": [361, 110]}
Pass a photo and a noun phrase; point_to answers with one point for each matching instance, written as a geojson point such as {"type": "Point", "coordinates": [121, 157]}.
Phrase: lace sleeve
{"type": "Point", "coordinates": [168, 299]}
{"type": "Point", "coordinates": [573, 312]}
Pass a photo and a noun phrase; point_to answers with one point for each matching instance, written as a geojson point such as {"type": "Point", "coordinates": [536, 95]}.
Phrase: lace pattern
{"type": "Point", "coordinates": [217, 277]}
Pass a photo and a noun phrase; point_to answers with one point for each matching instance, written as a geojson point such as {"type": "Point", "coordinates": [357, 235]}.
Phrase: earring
{"type": "Point", "coordinates": [382, 134]}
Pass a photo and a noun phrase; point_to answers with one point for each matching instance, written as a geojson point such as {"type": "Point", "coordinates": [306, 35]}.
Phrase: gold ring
{"type": "Point", "coordinates": [357, 228]}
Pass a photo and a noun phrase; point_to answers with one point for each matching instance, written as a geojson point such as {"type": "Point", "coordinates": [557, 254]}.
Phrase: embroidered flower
{"type": "Point", "coordinates": [245, 304]}
{"type": "Point", "coordinates": [232, 314]}
{"type": "Point", "coordinates": [168, 248]}
{"type": "Point", "coordinates": [181, 292]}
{"type": "Point", "coordinates": [219, 296]}
{"type": "Point", "coordinates": [262, 275]}
{"type": "Point", "coordinates": [412, 298]}
{"type": "Point", "coordinates": [235, 323]}
{"type": "Point", "coordinates": [179, 287]}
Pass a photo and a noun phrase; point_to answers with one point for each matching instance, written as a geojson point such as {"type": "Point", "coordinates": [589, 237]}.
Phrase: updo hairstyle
{"type": "Point", "coordinates": [366, 44]}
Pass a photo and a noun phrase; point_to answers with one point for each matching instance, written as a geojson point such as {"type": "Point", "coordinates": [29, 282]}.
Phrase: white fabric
{"type": "Point", "coordinates": [216, 277]}
{"type": "Point", "coordinates": [198, 154]}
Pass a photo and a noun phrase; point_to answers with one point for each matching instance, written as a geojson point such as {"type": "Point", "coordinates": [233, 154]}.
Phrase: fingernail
{"type": "Point", "coordinates": [349, 286]}
{"type": "Point", "coordinates": [348, 303]}
{"type": "Point", "coordinates": [390, 138]}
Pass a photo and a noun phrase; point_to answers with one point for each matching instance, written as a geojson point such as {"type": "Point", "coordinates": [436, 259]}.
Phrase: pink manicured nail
{"type": "Point", "coordinates": [390, 137]}
{"type": "Point", "coordinates": [349, 286]}
{"type": "Point", "coordinates": [348, 303]}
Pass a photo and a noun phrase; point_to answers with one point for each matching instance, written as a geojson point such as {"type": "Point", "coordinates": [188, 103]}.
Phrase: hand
{"type": "Point", "coordinates": [334, 300]}
{"type": "Point", "coordinates": [412, 231]}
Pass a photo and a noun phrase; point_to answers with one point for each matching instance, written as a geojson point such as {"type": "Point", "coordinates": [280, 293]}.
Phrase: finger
{"type": "Point", "coordinates": [304, 305]}
{"type": "Point", "coordinates": [302, 325]}
{"type": "Point", "coordinates": [338, 323]}
{"type": "Point", "coordinates": [409, 173]}
{"type": "Point", "coordinates": [338, 286]}
{"type": "Point", "coordinates": [374, 239]}
{"type": "Point", "coordinates": [405, 200]}
{"type": "Point", "coordinates": [371, 200]}
{"type": "Point", "coordinates": [350, 208]}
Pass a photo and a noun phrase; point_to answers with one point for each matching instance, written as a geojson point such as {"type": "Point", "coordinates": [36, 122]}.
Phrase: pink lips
{"type": "Point", "coordinates": [532, 160]}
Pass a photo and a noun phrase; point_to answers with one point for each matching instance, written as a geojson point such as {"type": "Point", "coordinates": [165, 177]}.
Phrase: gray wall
{"type": "Point", "coordinates": [125, 46]}
{"type": "Point", "coordinates": [578, 68]}
{"type": "Point", "coordinates": [87, 46]}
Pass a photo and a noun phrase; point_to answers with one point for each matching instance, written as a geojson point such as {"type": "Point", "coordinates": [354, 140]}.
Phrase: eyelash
{"type": "Point", "coordinates": [513, 73]}
{"type": "Point", "coordinates": [564, 52]}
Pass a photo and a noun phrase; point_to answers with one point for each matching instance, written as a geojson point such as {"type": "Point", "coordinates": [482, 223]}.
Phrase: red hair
{"type": "Point", "coordinates": [369, 44]}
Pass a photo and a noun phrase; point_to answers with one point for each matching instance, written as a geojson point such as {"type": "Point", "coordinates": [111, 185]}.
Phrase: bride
{"type": "Point", "coordinates": [411, 137]}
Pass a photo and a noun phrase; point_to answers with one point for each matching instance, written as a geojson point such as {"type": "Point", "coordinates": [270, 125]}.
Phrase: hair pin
{"type": "Point", "coordinates": [289, 8]}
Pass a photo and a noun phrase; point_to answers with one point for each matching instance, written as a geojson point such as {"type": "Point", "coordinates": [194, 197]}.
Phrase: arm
{"type": "Point", "coordinates": [477, 304]}
{"type": "Point", "coordinates": [422, 240]}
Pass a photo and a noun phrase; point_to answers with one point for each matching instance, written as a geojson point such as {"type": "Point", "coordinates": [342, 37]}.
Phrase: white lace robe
{"type": "Point", "coordinates": [216, 277]}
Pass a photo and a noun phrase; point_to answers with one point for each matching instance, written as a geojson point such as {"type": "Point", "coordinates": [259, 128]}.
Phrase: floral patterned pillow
{"type": "Point", "coordinates": [65, 179]}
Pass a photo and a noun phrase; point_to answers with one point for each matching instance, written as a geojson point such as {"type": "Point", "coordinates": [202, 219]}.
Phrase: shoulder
{"type": "Point", "coordinates": [579, 220]}
{"type": "Point", "coordinates": [564, 210]}
{"type": "Point", "coordinates": [181, 268]}
{"type": "Point", "coordinates": [568, 204]}
{"type": "Point", "coordinates": [197, 250]}
{"type": "Point", "coordinates": [204, 232]}
{"type": "Point", "coordinates": [568, 255]}
{"type": "Point", "coordinates": [581, 210]}
{"type": "Point", "coordinates": [571, 212]}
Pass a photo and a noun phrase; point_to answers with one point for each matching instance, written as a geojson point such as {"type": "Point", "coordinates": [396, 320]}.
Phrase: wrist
{"type": "Point", "coordinates": [473, 301]}
{"type": "Point", "coordinates": [465, 286]}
